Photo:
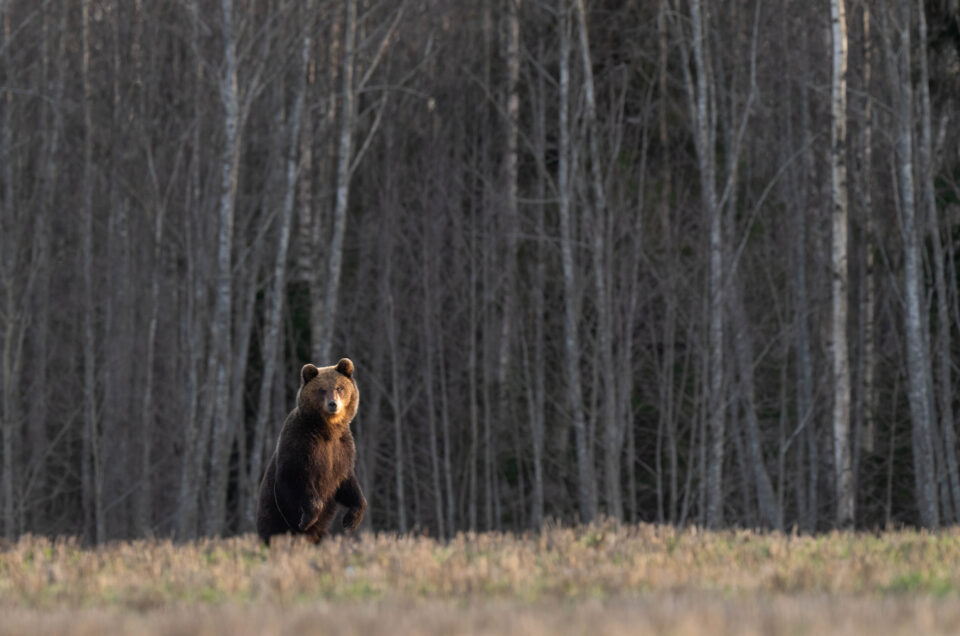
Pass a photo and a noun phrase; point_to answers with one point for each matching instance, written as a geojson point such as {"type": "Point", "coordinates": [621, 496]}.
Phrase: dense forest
{"type": "Point", "coordinates": [683, 261]}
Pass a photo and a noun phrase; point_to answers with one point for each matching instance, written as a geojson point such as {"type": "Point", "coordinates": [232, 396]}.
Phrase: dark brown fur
{"type": "Point", "coordinates": [312, 468]}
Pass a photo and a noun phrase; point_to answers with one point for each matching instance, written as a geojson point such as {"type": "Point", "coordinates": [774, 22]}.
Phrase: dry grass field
{"type": "Point", "coordinates": [595, 579]}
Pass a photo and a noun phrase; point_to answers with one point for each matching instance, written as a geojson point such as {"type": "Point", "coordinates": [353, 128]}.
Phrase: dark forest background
{"type": "Point", "coordinates": [679, 261]}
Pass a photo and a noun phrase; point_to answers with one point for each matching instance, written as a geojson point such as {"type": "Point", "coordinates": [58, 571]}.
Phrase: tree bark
{"type": "Point", "coordinates": [702, 103]}
{"type": "Point", "coordinates": [839, 352]}
{"type": "Point", "coordinates": [11, 315]}
{"type": "Point", "coordinates": [196, 434]}
{"type": "Point", "coordinates": [538, 389]}
{"type": "Point", "coordinates": [613, 427]}
{"type": "Point", "coordinates": [144, 521]}
{"type": "Point", "coordinates": [585, 478]}
{"type": "Point", "coordinates": [322, 341]}
{"type": "Point", "coordinates": [770, 512]}
{"type": "Point", "coordinates": [94, 481]}
{"type": "Point", "coordinates": [667, 418]}
{"type": "Point", "coordinates": [918, 356]}
{"type": "Point", "coordinates": [869, 289]}
{"type": "Point", "coordinates": [426, 270]}
{"type": "Point", "coordinates": [218, 362]}
{"type": "Point", "coordinates": [395, 392]}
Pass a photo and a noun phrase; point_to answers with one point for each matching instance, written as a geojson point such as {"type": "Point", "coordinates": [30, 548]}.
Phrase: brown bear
{"type": "Point", "coordinates": [312, 468]}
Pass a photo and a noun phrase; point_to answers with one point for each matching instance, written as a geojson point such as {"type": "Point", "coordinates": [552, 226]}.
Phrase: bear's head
{"type": "Point", "coordinates": [330, 392]}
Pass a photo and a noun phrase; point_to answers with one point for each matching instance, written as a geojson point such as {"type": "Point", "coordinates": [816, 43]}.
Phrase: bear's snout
{"type": "Point", "coordinates": [333, 406]}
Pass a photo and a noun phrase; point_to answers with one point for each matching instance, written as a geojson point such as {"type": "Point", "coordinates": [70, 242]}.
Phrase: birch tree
{"type": "Point", "coordinates": [218, 362]}
{"type": "Point", "coordinates": [918, 356]}
{"type": "Point", "coordinates": [839, 352]}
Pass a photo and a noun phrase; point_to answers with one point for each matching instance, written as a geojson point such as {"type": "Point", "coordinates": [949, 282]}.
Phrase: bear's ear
{"type": "Point", "coordinates": [308, 372]}
{"type": "Point", "coordinates": [345, 366]}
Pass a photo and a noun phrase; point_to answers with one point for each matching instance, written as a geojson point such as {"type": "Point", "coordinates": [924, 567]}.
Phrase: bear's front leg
{"type": "Point", "coordinates": [310, 511]}
{"type": "Point", "coordinates": [350, 495]}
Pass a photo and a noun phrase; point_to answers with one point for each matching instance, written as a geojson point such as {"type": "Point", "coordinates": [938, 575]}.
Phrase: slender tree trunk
{"type": "Point", "coordinates": [324, 339]}
{"type": "Point", "coordinates": [51, 116]}
{"type": "Point", "coordinates": [94, 481]}
{"type": "Point", "coordinates": [195, 435]}
{"type": "Point", "coordinates": [488, 370]}
{"type": "Point", "coordinates": [804, 355]}
{"type": "Point", "coordinates": [511, 229]}
{"type": "Point", "coordinates": [473, 452]}
{"type": "Point", "coordinates": [144, 521]}
{"type": "Point", "coordinates": [11, 316]}
{"type": "Point", "coordinates": [396, 405]}
{"type": "Point", "coordinates": [143, 513]}
{"type": "Point", "coordinates": [867, 303]}
{"type": "Point", "coordinates": [918, 355]}
{"type": "Point", "coordinates": [585, 478]}
{"type": "Point", "coordinates": [306, 216]}
{"type": "Point", "coordinates": [218, 362]}
{"type": "Point", "coordinates": [538, 390]}
{"type": "Point", "coordinates": [888, 508]}
{"type": "Point", "coordinates": [446, 430]}
{"type": "Point", "coordinates": [429, 284]}
{"type": "Point", "coordinates": [703, 115]}
{"type": "Point", "coordinates": [770, 512]}
{"type": "Point", "coordinates": [316, 231]}
{"type": "Point", "coordinates": [612, 427]}
{"type": "Point", "coordinates": [670, 310]}
{"type": "Point", "coordinates": [840, 354]}
{"type": "Point", "coordinates": [943, 349]}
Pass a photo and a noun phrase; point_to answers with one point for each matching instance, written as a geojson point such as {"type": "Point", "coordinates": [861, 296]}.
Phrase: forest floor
{"type": "Point", "coordinates": [594, 579]}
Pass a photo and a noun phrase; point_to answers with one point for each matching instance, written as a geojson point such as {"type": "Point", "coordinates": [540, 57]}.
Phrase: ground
{"type": "Point", "coordinates": [596, 579]}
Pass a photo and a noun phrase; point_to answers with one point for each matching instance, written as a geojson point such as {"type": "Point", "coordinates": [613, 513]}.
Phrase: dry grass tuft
{"type": "Point", "coordinates": [602, 577]}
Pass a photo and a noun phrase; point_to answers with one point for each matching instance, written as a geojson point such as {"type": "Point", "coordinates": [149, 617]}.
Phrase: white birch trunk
{"type": "Point", "coordinates": [703, 115]}
{"type": "Point", "coordinates": [218, 362]}
{"type": "Point", "coordinates": [918, 356]}
{"type": "Point", "coordinates": [839, 352]}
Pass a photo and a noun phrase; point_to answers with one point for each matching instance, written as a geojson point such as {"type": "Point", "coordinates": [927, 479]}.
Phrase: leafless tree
{"type": "Point", "coordinates": [588, 258]}
{"type": "Point", "coordinates": [839, 350]}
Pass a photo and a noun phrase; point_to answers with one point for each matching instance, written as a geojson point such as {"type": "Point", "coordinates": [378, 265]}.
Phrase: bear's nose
{"type": "Point", "coordinates": [332, 405]}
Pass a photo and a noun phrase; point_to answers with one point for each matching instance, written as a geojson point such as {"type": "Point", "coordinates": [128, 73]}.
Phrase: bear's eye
{"type": "Point", "coordinates": [339, 389]}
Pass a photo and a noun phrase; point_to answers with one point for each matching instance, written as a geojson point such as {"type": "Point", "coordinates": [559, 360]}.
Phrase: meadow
{"type": "Point", "coordinates": [602, 578]}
